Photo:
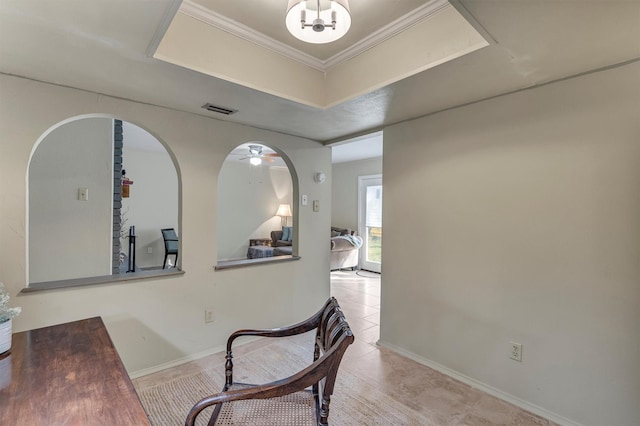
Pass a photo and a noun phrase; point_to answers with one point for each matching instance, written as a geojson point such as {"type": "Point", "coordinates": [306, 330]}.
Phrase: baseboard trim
{"type": "Point", "coordinates": [188, 358]}
{"type": "Point", "coordinates": [525, 405]}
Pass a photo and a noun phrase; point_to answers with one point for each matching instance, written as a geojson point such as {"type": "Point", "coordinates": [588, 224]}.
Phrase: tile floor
{"type": "Point", "coordinates": [438, 397]}
{"type": "Point", "coordinates": [441, 399]}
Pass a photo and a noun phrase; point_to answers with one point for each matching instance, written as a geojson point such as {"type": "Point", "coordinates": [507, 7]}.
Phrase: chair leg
{"type": "Point", "coordinates": [324, 412]}
{"type": "Point", "coordinates": [164, 264]}
{"type": "Point", "coordinates": [228, 371]}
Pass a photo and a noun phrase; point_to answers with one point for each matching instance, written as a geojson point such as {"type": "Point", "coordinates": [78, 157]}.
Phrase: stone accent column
{"type": "Point", "coordinates": [117, 193]}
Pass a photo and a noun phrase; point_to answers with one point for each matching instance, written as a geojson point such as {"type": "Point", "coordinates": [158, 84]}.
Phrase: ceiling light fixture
{"type": "Point", "coordinates": [255, 153]}
{"type": "Point", "coordinates": [327, 24]}
{"type": "Point", "coordinates": [255, 150]}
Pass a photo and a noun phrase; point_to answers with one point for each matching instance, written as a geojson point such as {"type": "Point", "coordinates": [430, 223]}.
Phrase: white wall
{"type": "Point", "coordinates": [71, 238]}
{"type": "Point", "coordinates": [518, 219]}
{"type": "Point", "coordinates": [344, 207]}
{"type": "Point", "coordinates": [158, 321]}
{"type": "Point", "coordinates": [248, 198]}
{"type": "Point", "coordinates": [153, 201]}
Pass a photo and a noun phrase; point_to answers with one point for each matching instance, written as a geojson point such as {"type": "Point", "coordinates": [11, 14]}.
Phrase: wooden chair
{"type": "Point", "coordinates": [276, 399]}
{"type": "Point", "coordinates": [171, 243]}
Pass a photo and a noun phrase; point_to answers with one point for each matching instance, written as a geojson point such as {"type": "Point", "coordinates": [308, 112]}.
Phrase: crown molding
{"type": "Point", "coordinates": [242, 31]}
{"type": "Point", "coordinates": [167, 17]}
{"type": "Point", "coordinates": [201, 13]}
{"type": "Point", "coordinates": [388, 31]}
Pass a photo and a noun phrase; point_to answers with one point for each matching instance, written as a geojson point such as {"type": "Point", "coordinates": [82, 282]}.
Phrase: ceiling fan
{"type": "Point", "coordinates": [256, 155]}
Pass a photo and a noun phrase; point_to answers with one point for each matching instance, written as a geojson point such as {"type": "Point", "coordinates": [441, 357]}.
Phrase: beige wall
{"type": "Point", "coordinates": [344, 196]}
{"type": "Point", "coordinates": [518, 219]}
{"type": "Point", "coordinates": [513, 219]}
{"type": "Point", "coordinates": [71, 238]}
{"type": "Point", "coordinates": [160, 321]}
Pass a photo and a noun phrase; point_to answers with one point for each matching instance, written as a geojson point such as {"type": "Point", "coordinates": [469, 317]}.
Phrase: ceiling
{"type": "Point", "coordinates": [206, 41]}
{"type": "Point", "coordinates": [360, 148]}
{"type": "Point", "coordinates": [107, 46]}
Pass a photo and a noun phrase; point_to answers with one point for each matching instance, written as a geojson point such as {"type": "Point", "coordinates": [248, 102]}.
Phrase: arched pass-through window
{"type": "Point", "coordinates": [255, 184]}
{"type": "Point", "coordinates": [82, 209]}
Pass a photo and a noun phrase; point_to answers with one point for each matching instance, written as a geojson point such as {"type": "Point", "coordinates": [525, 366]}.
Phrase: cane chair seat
{"type": "Point", "coordinates": [295, 409]}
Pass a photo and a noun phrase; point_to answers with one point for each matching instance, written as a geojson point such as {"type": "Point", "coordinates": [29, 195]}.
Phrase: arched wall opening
{"type": "Point", "coordinates": [254, 181]}
{"type": "Point", "coordinates": [78, 217]}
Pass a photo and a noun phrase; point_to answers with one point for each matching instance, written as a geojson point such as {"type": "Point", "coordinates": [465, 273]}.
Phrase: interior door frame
{"type": "Point", "coordinates": [362, 229]}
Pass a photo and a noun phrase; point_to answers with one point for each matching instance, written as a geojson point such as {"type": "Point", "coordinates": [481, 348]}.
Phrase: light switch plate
{"type": "Point", "coordinates": [83, 194]}
{"type": "Point", "coordinates": [316, 205]}
{"type": "Point", "coordinates": [305, 200]}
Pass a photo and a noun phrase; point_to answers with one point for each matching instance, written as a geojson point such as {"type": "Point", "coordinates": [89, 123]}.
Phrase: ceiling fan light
{"type": "Point", "coordinates": [255, 161]}
{"type": "Point", "coordinates": [255, 150]}
{"type": "Point", "coordinates": [304, 24]}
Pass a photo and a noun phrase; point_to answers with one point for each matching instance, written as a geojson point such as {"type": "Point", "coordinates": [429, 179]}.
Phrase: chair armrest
{"type": "Point", "coordinates": [298, 328]}
{"type": "Point", "coordinates": [342, 244]}
{"type": "Point", "coordinates": [302, 327]}
{"type": "Point", "coordinates": [292, 330]}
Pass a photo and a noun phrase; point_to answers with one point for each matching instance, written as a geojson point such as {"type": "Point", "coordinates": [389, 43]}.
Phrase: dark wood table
{"type": "Point", "coordinates": [68, 374]}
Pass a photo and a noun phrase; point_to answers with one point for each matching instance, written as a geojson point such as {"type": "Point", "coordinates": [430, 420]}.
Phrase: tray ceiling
{"type": "Point", "coordinates": [104, 47]}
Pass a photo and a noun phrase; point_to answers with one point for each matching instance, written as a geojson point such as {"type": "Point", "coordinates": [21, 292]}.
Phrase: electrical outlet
{"type": "Point", "coordinates": [515, 351]}
{"type": "Point", "coordinates": [208, 315]}
{"type": "Point", "coordinates": [149, 250]}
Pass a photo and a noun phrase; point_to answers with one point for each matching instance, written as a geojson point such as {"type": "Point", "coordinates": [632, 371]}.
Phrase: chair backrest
{"type": "Point", "coordinates": [332, 325]}
{"type": "Point", "coordinates": [333, 336]}
{"type": "Point", "coordinates": [275, 236]}
{"type": "Point", "coordinates": [170, 240]}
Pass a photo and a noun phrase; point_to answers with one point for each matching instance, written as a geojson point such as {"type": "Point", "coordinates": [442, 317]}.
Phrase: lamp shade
{"type": "Point", "coordinates": [318, 27]}
{"type": "Point", "coordinates": [284, 210]}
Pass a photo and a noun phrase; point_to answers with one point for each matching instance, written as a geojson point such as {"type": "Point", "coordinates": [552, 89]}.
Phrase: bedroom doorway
{"type": "Point", "coordinates": [370, 221]}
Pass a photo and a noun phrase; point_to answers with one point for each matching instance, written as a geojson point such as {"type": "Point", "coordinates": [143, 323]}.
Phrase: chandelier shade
{"type": "Point", "coordinates": [318, 21]}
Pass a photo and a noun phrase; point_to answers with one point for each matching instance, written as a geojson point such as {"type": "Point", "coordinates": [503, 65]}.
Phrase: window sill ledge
{"type": "Point", "coordinates": [104, 279]}
{"type": "Point", "coordinates": [244, 263]}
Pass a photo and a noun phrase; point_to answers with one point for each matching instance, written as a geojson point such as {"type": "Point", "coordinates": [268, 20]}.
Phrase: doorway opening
{"type": "Point", "coordinates": [355, 161]}
{"type": "Point", "coordinates": [356, 178]}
